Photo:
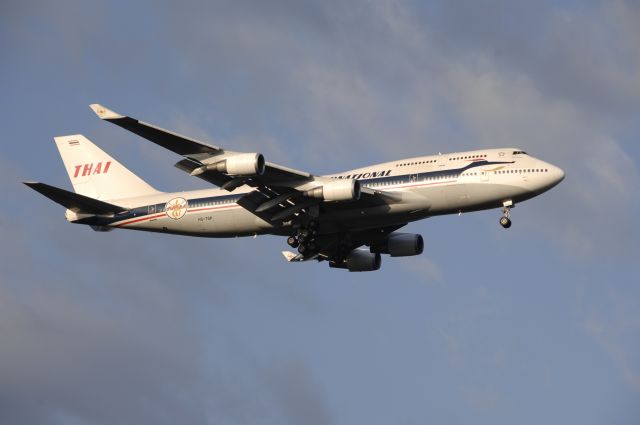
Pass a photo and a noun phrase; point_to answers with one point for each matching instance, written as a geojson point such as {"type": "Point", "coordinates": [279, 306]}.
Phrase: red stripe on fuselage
{"type": "Point", "coordinates": [158, 215]}
{"type": "Point", "coordinates": [143, 218]}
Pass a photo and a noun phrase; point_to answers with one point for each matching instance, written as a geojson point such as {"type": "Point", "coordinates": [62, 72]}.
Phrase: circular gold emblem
{"type": "Point", "coordinates": [176, 208]}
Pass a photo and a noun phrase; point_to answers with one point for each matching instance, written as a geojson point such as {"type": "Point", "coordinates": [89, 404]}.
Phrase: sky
{"type": "Point", "coordinates": [537, 324]}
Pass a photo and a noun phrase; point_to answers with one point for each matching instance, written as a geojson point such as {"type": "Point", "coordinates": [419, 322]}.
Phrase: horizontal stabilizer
{"type": "Point", "coordinates": [73, 201]}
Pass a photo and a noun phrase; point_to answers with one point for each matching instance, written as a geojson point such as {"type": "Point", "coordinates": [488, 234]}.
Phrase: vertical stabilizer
{"type": "Point", "coordinates": [95, 174]}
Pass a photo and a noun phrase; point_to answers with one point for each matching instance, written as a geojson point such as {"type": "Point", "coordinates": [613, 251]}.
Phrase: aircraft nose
{"type": "Point", "coordinates": [554, 176]}
{"type": "Point", "coordinates": [558, 174]}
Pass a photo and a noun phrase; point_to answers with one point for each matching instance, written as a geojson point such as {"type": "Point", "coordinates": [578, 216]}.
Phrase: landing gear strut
{"type": "Point", "coordinates": [505, 221]}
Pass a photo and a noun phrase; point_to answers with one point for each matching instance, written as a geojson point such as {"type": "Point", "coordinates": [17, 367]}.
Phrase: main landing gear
{"type": "Point", "coordinates": [305, 238]}
{"type": "Point", "coordinates": [505, 221]}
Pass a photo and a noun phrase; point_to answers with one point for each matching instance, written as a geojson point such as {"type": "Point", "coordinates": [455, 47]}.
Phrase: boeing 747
{"type": "Point", "coordinates": [347, 219]}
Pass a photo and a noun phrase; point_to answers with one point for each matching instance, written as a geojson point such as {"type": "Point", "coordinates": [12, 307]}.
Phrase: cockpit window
{"type": "Point", "coordinates": [519, 152]}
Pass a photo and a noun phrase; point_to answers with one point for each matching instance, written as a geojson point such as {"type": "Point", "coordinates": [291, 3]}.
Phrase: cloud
{"type": "Point", "coordinates": [361, 85]}
{"type": "Point", "coordinates": [294, 389]}
{"type": "Point", "coordinates": [424, 267]}
{"type": "Point", "coordinates": [608, 341]}
{"type": "Point", "coordinates": [100, 365]}
{"type": "Point", "coordinates": [118, 336]}
{"type": "Point", "coordinates": [128, 327]}
{"type": "Point", "coordinates": [564, 49]}
{"type": "Point", "coordinates": [613, 324]}
{"type": "Point", "coordinates": [507, 110]}
{"type": "Point", "coordinates": [485, 399]}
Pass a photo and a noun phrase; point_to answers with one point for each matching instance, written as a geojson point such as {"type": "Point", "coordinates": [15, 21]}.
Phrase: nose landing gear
{"type": "Point", "coordinates": [505, 221]}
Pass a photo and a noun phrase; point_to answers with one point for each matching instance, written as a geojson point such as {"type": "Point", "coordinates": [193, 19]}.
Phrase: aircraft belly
{"type": "Point", "coordinates": [490, 195]}
{"type": "Point", "coordinates": [473, 197]}
{"type": "Point", "coordinates": [451, 197]}
{"type": "Point", "coordinates": [480, 193]}
{"type": "Point", "coordinates": [414, 206]}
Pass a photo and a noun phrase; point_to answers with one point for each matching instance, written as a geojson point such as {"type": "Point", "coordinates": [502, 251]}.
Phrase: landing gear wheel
{"type": "Point", "coordinates": [305, 239]}
{"type": "Point", "coordinates": [293, 241]}
{"type": "Point", "coordinates": [303, 235]}
{"type": "Point", "coordinates": [505, 222]}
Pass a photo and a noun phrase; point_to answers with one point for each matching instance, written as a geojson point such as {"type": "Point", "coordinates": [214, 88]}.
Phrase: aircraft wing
{"type": "Point", "coordinates": [277, 196]}
{"type": "Point", "coordinates": [198, 154]}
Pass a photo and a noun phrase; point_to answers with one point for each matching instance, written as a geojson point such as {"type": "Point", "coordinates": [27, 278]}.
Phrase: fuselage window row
{"type": "Point", "coordinates": [519, 171]}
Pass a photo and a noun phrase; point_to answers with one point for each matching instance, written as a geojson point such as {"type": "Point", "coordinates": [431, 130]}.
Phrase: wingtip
{"type": "Point", "coordinates": [33, 185]}
{"type": "Point", "coordinates": [104, 113]}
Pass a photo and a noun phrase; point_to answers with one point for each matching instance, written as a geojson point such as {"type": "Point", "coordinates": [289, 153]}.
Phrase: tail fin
{"type": "Point", "coordinates": [95, 174]}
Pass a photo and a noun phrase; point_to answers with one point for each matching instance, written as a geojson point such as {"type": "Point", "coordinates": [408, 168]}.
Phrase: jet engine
{"type": "Point", "coordinates": [400, 245]}
{"type": "Point", "coordinates": [338, 190]}
{"type": "Point", "coordinates": [242, 164]}
{"type": "Point", "coordinates": [359, 260]}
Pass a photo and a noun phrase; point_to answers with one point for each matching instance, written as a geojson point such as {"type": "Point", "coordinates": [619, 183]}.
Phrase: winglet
{"type": "Point", "coordinates": [289, 256]}
{"type": "Point", "coordinates": [104, 113]}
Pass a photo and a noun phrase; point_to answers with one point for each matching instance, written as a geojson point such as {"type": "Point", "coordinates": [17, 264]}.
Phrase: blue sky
{"type": "Point", "coordinates": [538, 324]}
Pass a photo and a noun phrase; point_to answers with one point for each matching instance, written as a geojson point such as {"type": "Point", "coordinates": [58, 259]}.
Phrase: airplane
{"type": "Point", "coordinates": [347, 219]}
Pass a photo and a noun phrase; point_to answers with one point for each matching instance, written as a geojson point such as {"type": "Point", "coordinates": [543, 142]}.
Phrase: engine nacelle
{"type": "Point", "coordinates": [359, 260]}
{"type": "Point", "coordinates": [338, 190]}
{"type": "Point", "coordinates": [243, 164]}
{"type": "Point", "coordinates": [400, 245]}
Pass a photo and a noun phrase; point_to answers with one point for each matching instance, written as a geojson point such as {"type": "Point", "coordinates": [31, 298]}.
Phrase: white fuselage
{"type": "Point", "coordinates": [420, 187]}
